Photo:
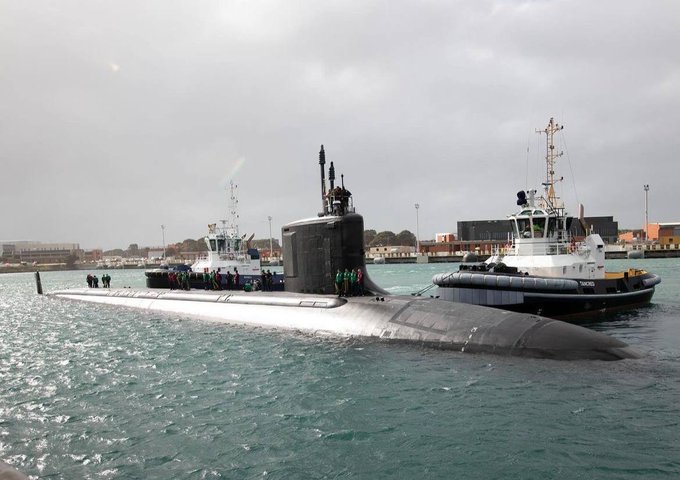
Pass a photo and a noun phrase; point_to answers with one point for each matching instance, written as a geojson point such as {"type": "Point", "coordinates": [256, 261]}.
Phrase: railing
{"type": "Point", "coordinates": [541, 248]}
{"type": "Point", "coordinates": [557, 249]}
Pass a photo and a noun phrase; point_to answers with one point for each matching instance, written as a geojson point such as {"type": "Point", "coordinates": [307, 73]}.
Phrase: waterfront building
{"type": "Point", "coordinates": [39, 252]}
{"type": "Point", "coordinates": [669, 235]}
{"type": "Point", "coordinates": [391, 251]}
{"type": "Point", "coordinates": [90, 256]}
{"type": "Point", "coordinates": [459, 248]}
{"type": "Point", "coordinates": [155, 253]}
{"type": "Point", "coordinates": [444, 237]}
{"type": "Point", "coordinates": [500, 230]}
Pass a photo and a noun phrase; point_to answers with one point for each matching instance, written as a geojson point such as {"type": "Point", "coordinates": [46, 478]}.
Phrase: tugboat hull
{"type": "Point", "coordinates": [566, 299]}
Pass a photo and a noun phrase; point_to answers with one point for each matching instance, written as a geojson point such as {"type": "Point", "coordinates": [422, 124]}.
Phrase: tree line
{"type": "Point", "coordinates": [385, 238]}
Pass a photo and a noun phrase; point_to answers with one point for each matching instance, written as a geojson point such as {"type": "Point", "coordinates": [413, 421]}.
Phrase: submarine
{"type": "Point", "coordinates": [314, 249]}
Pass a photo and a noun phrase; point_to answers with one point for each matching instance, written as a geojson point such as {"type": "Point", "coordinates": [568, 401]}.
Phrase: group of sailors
{"type": "Point", "coordinates": [266, 282]}
{"type": "Point", "coordinates": [349, 284]}
{"type": "Point", "coordinates": [213, 280]}
{"type": "Point", "coordinates": [93, 281]}
{"type": "Point", "coordinates": [179, 280]}
{"type": "Point", "coordinates": [217, 280]}
{"type": "Point", "coordinates": [338, 199]}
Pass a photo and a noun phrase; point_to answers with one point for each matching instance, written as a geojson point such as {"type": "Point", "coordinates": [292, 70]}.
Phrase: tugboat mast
{"type": "Point", "coordinates": [232, 228]}
{"type": "Point", "coordinates": [550, 158]}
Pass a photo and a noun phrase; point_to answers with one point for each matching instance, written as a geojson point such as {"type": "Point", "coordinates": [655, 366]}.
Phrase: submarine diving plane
{"type": "Point", "coordinates": [313, 250]}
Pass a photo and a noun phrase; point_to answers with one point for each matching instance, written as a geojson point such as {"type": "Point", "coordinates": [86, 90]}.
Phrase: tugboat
{"type": "Point", "coordinates": [228, 251]}
{"type": "Point", "coordinates": [545, 270]}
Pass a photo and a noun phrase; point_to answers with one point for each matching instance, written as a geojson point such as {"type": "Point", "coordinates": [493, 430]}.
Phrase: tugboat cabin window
{"type": "Point", "coordinates": [539, 227]}
{"type": "Point", "coordinates": [220, 244]}
{"type": "Point", "coordinates": [524, 226]}
{"type": "Point", "coordinates": [213, 245]}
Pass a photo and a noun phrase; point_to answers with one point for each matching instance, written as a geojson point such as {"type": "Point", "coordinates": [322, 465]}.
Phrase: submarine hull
{"type": "Point", "coordinates": [428, 322]}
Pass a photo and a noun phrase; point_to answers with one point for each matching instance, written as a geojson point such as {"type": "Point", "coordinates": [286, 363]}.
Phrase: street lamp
{"type": "Point", "coordinates": [270, 238]}
{"type": "Point", "coordinates": [417, 230]}
{"type": "Point", "coordinates": [163, 230]}
{"type": "Point", "coordinates": [646, 187]}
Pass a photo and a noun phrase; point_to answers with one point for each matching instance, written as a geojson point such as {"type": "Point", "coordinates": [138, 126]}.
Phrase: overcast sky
{"type": "Point", "coordinates": [119, 116]}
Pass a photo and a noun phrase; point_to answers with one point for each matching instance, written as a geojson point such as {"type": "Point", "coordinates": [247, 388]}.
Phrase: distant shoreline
{"type": "Point", "coordinates": [49, 268]}
{"type": "Point", "coordinates": [61, 267]}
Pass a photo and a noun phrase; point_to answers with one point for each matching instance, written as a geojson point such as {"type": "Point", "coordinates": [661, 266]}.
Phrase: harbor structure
{"type": "Point", "coordinates": [39, 252]}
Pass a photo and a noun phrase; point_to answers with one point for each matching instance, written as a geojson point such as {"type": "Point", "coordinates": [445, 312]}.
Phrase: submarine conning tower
{"type": "Point", "coordinates": [314, 249]}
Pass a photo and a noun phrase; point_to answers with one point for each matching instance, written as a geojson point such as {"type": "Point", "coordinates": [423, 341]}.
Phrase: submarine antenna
{"type": "Point", "coordinates": [322, 164]}
{"type": "Point", "coordinates": [331, 176]}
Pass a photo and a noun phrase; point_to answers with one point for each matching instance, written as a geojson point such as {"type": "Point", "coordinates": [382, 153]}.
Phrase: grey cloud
{"type": "Point", "coordinates": [120, 116]}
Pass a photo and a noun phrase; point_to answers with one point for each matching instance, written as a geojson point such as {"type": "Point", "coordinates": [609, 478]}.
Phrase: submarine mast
{"type": "Point", "coordinates": [315, 249]}
{"type": "Point", "coordinates": [322, 164]}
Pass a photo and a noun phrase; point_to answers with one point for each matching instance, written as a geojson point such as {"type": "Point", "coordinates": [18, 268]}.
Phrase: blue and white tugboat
{"type": "Point", "coordinates": [228, 253]}
{"type": "Point", "coordinates": [545, 270]}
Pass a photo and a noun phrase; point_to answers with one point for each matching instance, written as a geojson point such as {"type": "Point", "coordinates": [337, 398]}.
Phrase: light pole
{"type": "Point", "coordinates": [417, 230]}
{"type": "Point", "coordinates": [646, 187]}
{"type": "Point", "coordinates": [163, 230]}
{"type": "Point", "coordinates": [270, 238]}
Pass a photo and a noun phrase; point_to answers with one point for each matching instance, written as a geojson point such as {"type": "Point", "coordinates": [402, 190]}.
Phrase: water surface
{"type": "Point", "coordinates": [96, 392]}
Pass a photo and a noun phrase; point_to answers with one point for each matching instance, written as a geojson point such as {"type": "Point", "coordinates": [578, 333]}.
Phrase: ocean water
{"type": "Point", "coordinates": [96, 392]}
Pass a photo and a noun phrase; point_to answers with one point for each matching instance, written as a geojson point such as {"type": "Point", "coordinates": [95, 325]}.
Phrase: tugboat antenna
{"type": "Point", "coordinates": [550, 158]}
{"type": "Point", "coordinates": [233, 210]}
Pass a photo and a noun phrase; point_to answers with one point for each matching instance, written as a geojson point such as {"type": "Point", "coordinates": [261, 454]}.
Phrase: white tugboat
{"type": "Point", "coordinates": [545, 270]}
{"type": "Point", "coordinates": [228, 253]}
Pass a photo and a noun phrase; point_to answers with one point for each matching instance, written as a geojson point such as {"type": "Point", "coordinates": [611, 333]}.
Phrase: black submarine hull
{"type": "Point", "coordinates": [401, 319]}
